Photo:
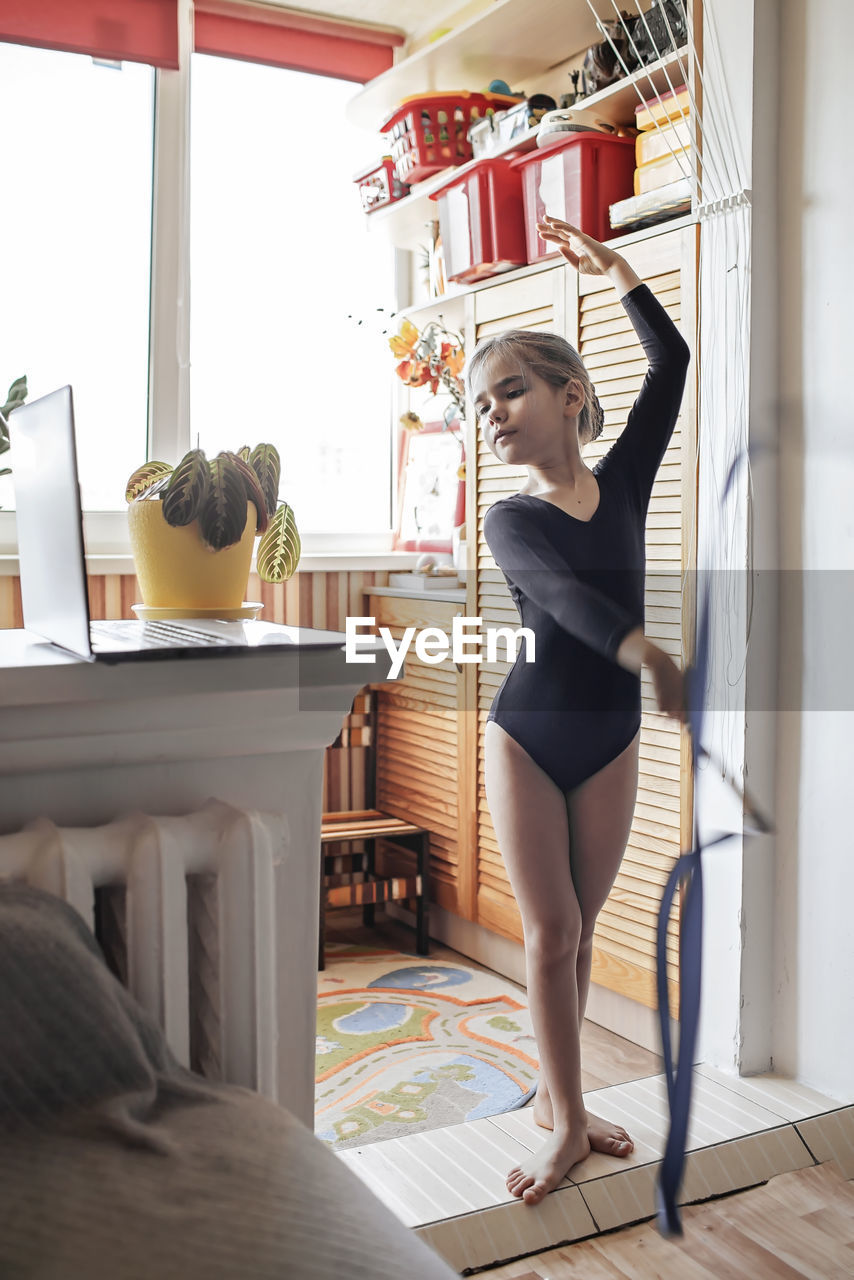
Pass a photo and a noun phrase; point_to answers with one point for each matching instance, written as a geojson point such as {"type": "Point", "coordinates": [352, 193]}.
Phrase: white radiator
{"type": "Point", "coordinates": [185, 912]}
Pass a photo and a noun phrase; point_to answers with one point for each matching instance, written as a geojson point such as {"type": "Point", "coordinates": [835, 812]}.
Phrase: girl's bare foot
{"type": "Point", "coordinates": [610, 1139]}
{"type": "Point", "coordinates": [541, 1172]}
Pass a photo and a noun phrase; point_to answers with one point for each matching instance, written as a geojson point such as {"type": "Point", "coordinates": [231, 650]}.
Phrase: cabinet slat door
{"type": "Point", "coordinates": [625, 939]}
{"type": "Point", "coordinates": [534, 302]}
{"type": "Point", "coordinates": [417, 747]}
{"type": "Point", "coordinates": [597, 325]}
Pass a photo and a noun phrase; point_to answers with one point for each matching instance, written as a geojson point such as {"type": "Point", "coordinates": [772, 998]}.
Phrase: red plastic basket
{"type": "Point", "coordinates": [481, 220]}
{"type": "Point", "coordinates": [379, 185]}
{"type": "Point", "coordinates": [576, 179]}
{"type": "Point", "coordinates": [429, 131]}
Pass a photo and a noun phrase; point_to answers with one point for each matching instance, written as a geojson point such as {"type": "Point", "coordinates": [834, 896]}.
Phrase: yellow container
{"type": "Point", "coordinates": [177, 570]}
{"type": "Point", "coordinates": [654, 143]}
{"type": "Point", "coordinates": [659, 173]}
{"type": "Point", "coordinates": [672, 106]}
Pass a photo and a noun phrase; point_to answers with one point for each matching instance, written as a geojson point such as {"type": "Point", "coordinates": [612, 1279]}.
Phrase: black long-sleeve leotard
{"type": "Point", "coordinates": [579, 585]}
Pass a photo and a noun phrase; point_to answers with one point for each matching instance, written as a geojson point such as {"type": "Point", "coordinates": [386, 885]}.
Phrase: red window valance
{"type": "Point", "coordinates": [297, 41]}
{"type": "Point", "coordinates": [119, 30]}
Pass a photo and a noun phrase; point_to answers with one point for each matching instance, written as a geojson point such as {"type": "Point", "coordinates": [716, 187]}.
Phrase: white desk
{"type": "Point", "coordinates": [82, 743]}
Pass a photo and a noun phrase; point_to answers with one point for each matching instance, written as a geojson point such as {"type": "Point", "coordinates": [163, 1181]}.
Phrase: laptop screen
{"type": "Point", "coordinates": [49, 522]}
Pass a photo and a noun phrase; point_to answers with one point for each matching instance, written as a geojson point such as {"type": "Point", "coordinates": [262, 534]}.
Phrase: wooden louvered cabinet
{"type": "Point", "coordinates": [587, 311]}
{"type": "Point", "coordinates": [421, 743]}
{"type": "Point", "coordinates": [536, 301]}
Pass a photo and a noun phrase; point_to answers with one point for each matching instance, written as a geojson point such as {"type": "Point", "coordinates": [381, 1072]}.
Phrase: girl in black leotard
{"type": "Point", "coordinates": [562, 736]}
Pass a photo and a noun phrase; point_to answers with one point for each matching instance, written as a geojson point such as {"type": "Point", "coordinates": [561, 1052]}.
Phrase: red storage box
{"type": "Point", "coordinates": [481, 220]}
{"type": "Point", "coordinates": [429, 132]}
{"type": "Point", "coordinates": [577, 178]}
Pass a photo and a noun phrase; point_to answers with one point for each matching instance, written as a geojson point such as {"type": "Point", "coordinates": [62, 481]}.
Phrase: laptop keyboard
{"type": "Point", "coordinates": [156, 635]}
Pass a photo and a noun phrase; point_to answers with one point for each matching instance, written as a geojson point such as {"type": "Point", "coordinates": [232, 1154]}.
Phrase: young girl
{"type": "Point", "coordinates": [562, 735]}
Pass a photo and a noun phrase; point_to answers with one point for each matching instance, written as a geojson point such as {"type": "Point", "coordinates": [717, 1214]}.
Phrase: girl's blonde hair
{"type": "Point", "coordinates": [550, 357]}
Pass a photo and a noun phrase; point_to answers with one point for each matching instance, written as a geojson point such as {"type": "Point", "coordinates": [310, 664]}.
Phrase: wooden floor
{"type": "Point", "coordinates": [798, 1225]}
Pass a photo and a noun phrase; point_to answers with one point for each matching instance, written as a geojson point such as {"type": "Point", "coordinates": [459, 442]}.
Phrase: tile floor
{"type": "Point", "coordinates": [448, 1184]}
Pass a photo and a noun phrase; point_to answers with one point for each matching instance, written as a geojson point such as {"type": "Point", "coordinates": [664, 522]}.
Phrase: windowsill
{"type": "Point", "coordinates": [310, 562]}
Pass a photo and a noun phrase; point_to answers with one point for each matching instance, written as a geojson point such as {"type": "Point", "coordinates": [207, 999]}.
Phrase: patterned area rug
{"type": "Point", "coordinates": [404, 1045]}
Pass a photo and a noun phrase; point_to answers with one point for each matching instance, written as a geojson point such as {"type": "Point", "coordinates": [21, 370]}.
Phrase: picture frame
{"type": "Point", "coordinates": [431, 496]}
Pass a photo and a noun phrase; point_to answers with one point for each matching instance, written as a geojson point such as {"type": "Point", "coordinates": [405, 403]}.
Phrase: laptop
{"type": "Point", "coordinates": [54, 590]}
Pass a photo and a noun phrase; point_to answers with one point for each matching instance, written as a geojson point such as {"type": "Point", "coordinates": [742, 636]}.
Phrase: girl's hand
{"type": "Point", "coordinates": [587, 255]}
{"type": "Point", "coordinates": [669, 683]}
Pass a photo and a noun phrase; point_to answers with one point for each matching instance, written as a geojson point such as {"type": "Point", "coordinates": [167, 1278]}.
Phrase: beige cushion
{"type": "Point", "coordinates": [115, 1162]}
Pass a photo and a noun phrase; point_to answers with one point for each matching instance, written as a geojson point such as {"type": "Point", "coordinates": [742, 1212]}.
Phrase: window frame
{"type": "Point", "coordinates": [169, 425]}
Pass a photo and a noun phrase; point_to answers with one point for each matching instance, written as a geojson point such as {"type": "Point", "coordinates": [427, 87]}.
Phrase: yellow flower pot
{"type": "Point", "coordinates": [177, 570]}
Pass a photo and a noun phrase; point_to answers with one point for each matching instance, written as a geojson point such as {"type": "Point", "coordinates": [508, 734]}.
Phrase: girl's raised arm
{"type": "Point", "coordinates": [639, 449]}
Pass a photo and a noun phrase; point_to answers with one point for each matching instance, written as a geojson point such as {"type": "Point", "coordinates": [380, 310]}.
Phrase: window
{"type": "Point", "coordinates": [76, 234]}
{"type": "Point", "coordinates": [282, 273]}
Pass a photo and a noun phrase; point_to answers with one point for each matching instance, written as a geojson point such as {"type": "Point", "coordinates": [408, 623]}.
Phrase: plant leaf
{"type": "Point", "coordinates": [144, 477]}
{"type": "Point", "coordinates": [16, 396]}
{"type": "Point", "coordinates": [279, 549]}
{"type": "Point", "coordinates": [244, 452]}
{"type": "Point", "coordinates": [254, 492]}
{"type": "Point", "coordinates": [223, 517]}
{"type": "Point", "coordinates": [268, 467]}
{"type": "Point", "coordinates": [187, 489]}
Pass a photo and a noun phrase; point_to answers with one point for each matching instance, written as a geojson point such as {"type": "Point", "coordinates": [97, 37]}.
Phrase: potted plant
{"type": "Point", "coordinates": [193, 528]}
{"type": "Point", "coordinates": [433, 356]}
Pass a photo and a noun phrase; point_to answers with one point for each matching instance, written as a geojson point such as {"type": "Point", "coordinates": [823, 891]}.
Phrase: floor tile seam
{"type": "Point", "coordinates": [512, 1205]}
{"type": "Point", "coordinates": [565, 1185]}
{"type": "Point", "coordinates": [776, 1118]}
{"type": "Point", "coordinates": [814, 1159]}
{"type": "Point", "coordinates": [778, 1123]}
{"type": "Point", "coordinates": [572, 1184]}
{"type": "Point", "coordinates": [783, 1122]}
{"type": "Point", "coordinates": [712, 1146]}
{"type": "Point", "coordinates": [630, 1223]}
{"type": "Point", "coordinates": [707, 1080]}
{"type": "Point", "coordinates": [569, 1184]}
{"type": "Point", "coordinates": [724, 1084]}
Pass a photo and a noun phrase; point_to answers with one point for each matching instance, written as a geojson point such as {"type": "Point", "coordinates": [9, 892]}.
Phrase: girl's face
{"type": "Point", "coordinates": [524, 418]}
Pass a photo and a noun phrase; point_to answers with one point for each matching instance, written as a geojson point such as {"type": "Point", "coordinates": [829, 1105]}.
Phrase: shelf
{"type": "Point", "coordinates": [421, 312]}
{"type": "Point", "coordinates": [617, 103]}
{"type": "Point", "coordinates": [406, 221]}
{"type": "Point", "coordinates": [495, 43]}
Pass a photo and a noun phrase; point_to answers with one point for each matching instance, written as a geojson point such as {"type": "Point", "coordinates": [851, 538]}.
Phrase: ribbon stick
{"type": "Point", "coordinates": [690, 868]}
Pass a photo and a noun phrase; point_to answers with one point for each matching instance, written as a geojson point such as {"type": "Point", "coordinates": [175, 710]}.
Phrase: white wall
{"type": "Point", "coordinates": [779, 936]}
{"type": "Point", "coordinates": [814, 952]}
{"type": "Point", "coordinates": [737, 382]}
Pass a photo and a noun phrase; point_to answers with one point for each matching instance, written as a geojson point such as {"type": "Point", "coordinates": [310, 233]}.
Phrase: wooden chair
{"type": "Point", "coordinates": [351, 879]}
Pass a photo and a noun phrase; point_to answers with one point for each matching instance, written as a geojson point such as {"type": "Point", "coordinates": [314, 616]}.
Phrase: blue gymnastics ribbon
{"type": "Point", "coordinates": [690, 868]}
